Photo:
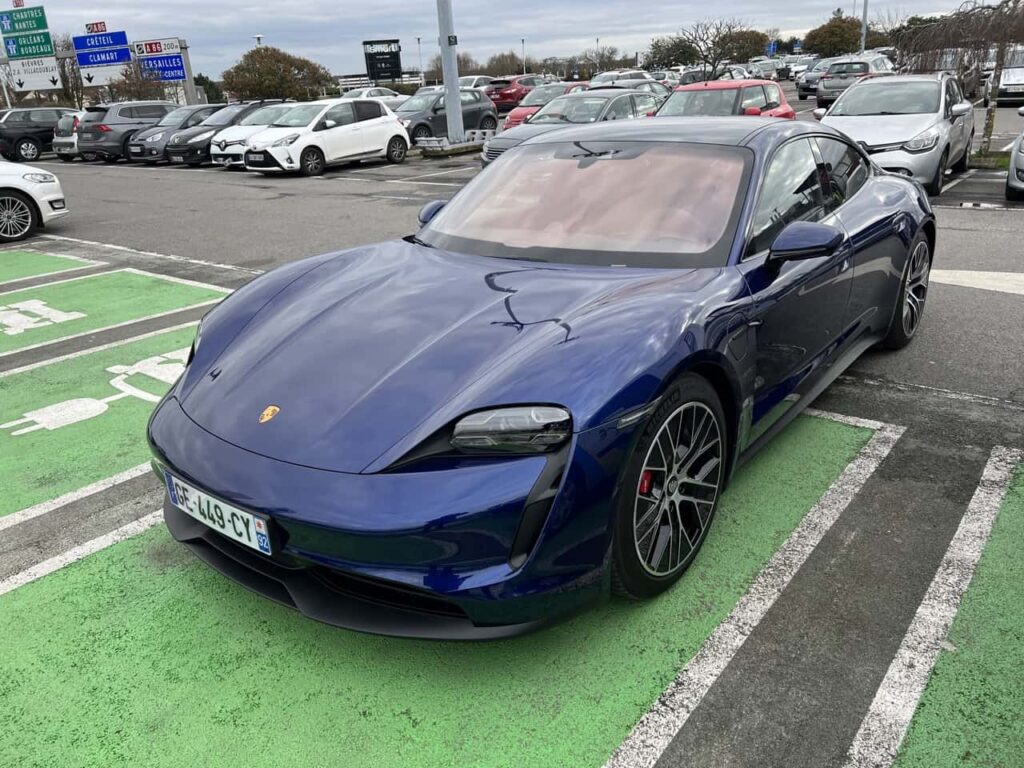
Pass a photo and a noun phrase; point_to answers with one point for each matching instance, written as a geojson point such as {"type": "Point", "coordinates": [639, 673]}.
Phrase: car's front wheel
{"type": "Point", "coordinates": [396, 150]}
{"type": "Point", "coordinates": [27, 150]}
{"type": "Point", "coordinates": [18, 217]}
{"type": "Point", "coordinates": [1014, 195]}
{"type": "Point", "coordinates": [670, 489]}
{"type": "Point", "coordinates": [311, 162]}
{"type": "Point", "coordinates": [906, 318]}
{"type": "Point", "coordinates": [488, 124]}
{"type": "Point", "coordinates": [934, 187]}
{"type": "Point", "coordinates": [421, 132]}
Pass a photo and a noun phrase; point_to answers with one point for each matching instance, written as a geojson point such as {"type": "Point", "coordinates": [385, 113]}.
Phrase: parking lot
{"type": "Point", "coordinates": [835, 576]}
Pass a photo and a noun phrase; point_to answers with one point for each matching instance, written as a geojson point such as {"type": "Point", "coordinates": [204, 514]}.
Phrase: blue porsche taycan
{"type": "Point", "coordinates": [537, 399]}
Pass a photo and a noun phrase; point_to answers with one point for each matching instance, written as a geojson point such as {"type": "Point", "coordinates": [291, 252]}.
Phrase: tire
{"type": "Point", "coordinates": [66, 158]}
{"type": "Point", "coordinates": [311, 162]}
{"type": "Point", "coordinates": [27, 150]}
{"type": "Point", "coordinates": [488, 124]}
{"type": "Point", "coordinates": [110, 159]}
{"type": "Point", "coordinates": [18, 216]}
{"type": "Point", "coordinates": [194, 165]}
{"type": "Point", "coordinates": [934, 187]}
{"type": "Point", "coordinates": [1014, 195]}
{"type": "Point", "coordinates": [961, 165]}
{"type": "Point", "coordinates": [90, 157]}
{"type": "Point", "coordinates": [908, 313]}
{"type": "Point", "coordinates": [124, 149]}
{"type": "Point", "coordinates": [822, 104]}
{"type": "Point", "coordinates": [421, 132]}
{"type": "Point", "coordinates": [658, 532]}
{"type": "Point", "coordinates": [397, 150]}
{"type": "Point", "coordinates": [802, 97]}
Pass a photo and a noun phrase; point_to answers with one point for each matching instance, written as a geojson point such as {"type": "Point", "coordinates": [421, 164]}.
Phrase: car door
{"type": "Point", "coordinates": [42, 123]}
{"type": "Point", "coordinates": [959, 132]}
{"type": "Point", "coordinates": [373, 125]}
{"type": "Point", "coordinates": [799, 306]}
{"type": "Point", "coordinates": [340, 134]}
{"type": "Point", "coordinates": [437, 116]}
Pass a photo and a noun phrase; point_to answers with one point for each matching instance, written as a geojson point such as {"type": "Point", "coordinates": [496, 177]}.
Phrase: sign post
{"type": "Point", "coordinates": [448, 41]}
{"type": "Point", "coordinates": [29, 49]}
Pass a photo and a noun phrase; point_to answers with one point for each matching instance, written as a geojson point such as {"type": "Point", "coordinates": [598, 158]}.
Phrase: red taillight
{"type": "Point", "coordinates": [74, 125]}
{"type": "Point", "coordinates": [103, 128]}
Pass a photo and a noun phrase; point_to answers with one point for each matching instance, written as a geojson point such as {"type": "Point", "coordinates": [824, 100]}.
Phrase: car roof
{"type": "Point", "coordinates": [722, 85]}
{"type": "Point", "coordinates": [931, 77]}
{"type": "Point", "coordinates": [603, 90]}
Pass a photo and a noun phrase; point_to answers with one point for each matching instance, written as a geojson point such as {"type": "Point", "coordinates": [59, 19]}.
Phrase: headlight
{"type": "Point", "coordinates": [287, 141]}
{"type": "Point", "coordinates": [201, 137]}
{"type": "Point", "coordinates": [522, 429]}
{"type": "Point", "coordinates": [155, 137]}
{"type": "Point", "coordinates": [40, 178]}
{"type": "Point", "coordinates": [923, 141]}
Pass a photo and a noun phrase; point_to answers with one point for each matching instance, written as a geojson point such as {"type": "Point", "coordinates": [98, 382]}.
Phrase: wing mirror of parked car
{"type": "Point", "coordinates": [961, 109]}
{"type": "Point", "coordinates": [819, 113]}
{"type": "Point", "coordinates": [430, 210]}
{"type": "Point", "coordinates": [802, 240]}
{"type": "Point", "coordinates": [752, 111]}
{"type": "Point", "coordinates": [326, 125]}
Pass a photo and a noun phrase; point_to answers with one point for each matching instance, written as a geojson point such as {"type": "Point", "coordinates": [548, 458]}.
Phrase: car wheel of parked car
{"type": "Point", "coordinates": [397, 150]}
{"type": "Point", "coordinates": [964, 162]}
{"type": "Point", "coordinates": [670, 489]}
{"type": "Point", "coordinates": [311, 162]}
{"type": "Point", "coordinates": [802, 97]}
{"type": "Point", "coordinates": [822, 104]}
{"type": "Point", "coordinates": [421, 132]}
{"type": "Point", "coordinates": [934, 187]}
{"type": "Point", "coordinates": [111, 159]}
{"type": "Point", "coordinates": [488, 124]}
{"type": "Point", "coordinates": [18, 217]}
{"type": "Point", "coordinates": [90, 157]}
{"type": "Point", "coordinates": [906, 318]}
{"type": "Point", "coordinates": [1014, 195]}
{"type": "Point", "coordinates": [27, 150]}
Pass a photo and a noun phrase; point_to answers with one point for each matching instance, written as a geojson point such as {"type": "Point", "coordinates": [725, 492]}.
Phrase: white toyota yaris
{"type": "Point", "coordinates": [312, 136]}
{"type": "Point", "coordinates": [29, 199]}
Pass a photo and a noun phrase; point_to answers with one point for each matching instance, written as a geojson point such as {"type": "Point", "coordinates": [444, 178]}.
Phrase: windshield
{"type": "Point", "coordinates": [225, 116]}
{"type": "Point", "coordinates": [605, 77]}
{"type": "Point", "coordinates": [849, 68]}
{"type": "Point", "coordinates": [266, 115]}
{"type": "Point", "coordinates": [601, 203]}
{"type": "Point", "coordinates": [882, 98]}
{"type": "Point", "coordinates": [418, 103]}
{"type": "Point", "coordinates": [822, 65]}
{"type": "Point", "coordinates": [299, 117]}
{"type": "Point", "coordinates": [176, 116]}
{"type": "Point", "coordinates": [570, 110]}
{"type": "Point", "coordinates": [706, 101]}
{"type": "Point", "coordinates": [540, 96]}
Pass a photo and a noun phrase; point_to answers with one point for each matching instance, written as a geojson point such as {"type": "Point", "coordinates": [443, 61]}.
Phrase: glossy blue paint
{"type": "Point", "coordinates": [372, 353]}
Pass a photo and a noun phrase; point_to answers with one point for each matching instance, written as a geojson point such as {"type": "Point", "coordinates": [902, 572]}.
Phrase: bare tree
{"type": "Point", "coordinates": [710, 39]}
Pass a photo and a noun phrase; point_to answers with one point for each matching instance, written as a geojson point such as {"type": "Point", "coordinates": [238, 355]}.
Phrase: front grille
{"type": "Point", "coordinates": [386, 593]}
{"type": "Point", "coordinates": [493, 153]}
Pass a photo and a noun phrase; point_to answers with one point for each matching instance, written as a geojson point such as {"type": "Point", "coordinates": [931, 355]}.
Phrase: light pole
{"type": "Point", "coordinates": [523, 41]}
{"type": "Point", "coordinates": [419, 51]}
{"type": "Point", "coordinates": [448, 41]}
{"type": "Point", "coordinates": [864, 28]}
{"type": "Point", "coordinates": [258, 39]}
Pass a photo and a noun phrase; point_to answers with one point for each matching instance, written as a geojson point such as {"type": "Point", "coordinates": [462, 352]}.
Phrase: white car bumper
{"type": "Point", "coordinates": [49, 199]}
{"type": "Point", "coordinates": [272, 160]}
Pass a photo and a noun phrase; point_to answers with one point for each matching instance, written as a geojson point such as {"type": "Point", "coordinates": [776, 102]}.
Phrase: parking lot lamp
{"type": "Point", "coordinates": [523, 41]}
{"type": "Point", "coordinates": [864, 27]}
{"type": "Point", "coordinates": [450, 71]}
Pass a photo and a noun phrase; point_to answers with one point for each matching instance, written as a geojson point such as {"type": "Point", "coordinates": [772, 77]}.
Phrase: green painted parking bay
{"type": "Point", "coordinates": [79, 305]}
{"type": "Point", "coordinates": [71, 423]}
{"type": "Point", "coordinates": [19, 265]}
{"type": "Point", "coordinates": [972, 711]}
{"type": "Point", "coordinates": [141, 655]}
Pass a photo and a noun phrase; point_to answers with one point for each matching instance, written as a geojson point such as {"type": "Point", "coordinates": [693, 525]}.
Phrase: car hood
{"type": "Point", "coordinates": [145, 133]}
{"type": "Point", "coordinates": [182, 136]}
{"type": "Point", "coordinates": [373, 351]}
{"type": "Point", "coordinates": [521, 133]}
{"type": "Point", "coordinates": [268, 136]}
{"type": "Point", "coordinates": [20, 169]}
{"type": "Point", "coordinates": [876, 130]}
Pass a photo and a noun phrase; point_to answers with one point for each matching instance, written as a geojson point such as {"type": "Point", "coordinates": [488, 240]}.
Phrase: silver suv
{"type": "Point", "coordinates": [844, 72]}
{"type": "Point", "coordinates": [914, 125]}
{"type": "Point", "coordinates": [106, 129]}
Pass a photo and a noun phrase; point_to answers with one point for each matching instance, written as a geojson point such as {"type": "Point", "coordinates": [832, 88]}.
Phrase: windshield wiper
{"type": "Point", "coordinates": [417, 241]}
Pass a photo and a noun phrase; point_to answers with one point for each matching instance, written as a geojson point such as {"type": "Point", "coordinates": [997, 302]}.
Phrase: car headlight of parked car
{"type": "Point", "coordinates": [924, 141]}
{"type": "Point", "coordinates": [201, 137]}
{"type": "Point", "coordinates": [40, 178]}
{"type": "Point", "coordinates": [287, 141]}
{"type": "Point", "coordinates": [520, 429]}
{"type": "Point", "coordinates": [155, 137]}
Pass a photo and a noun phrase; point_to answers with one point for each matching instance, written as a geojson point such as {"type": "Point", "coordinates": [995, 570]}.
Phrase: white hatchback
{"type": "Point", "coordinates": [228, 146]}
{"type": "Point", "coordinates": [29, 198]}
{"type": "Point", "coordinates": [310, 137]}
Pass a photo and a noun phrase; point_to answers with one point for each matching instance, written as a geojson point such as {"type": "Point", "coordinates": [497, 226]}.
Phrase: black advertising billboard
{"type": "Point", "coordinates": [383, 59]}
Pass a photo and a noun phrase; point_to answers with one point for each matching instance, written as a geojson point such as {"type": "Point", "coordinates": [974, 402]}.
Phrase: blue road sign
{"type": "Point", "coordinates": [102, 40]}
{"type": "Point", "coordinates": [104, 58]}
{"type": "Point", "coordinates": [168, 68]}
{"type": "Point", "coordinates": [798, 46]}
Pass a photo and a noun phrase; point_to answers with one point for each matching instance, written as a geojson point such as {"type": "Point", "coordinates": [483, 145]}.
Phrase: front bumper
{"type": "Point", "coordinates": [417, 553]}
{"type": "Point", "coordinates": [50, 201]}
{"type": "Point", "coordinates": [920, 166]}
{"type": "Point", "coordinates": [233, 155]}
{"type": "Point", "coordinates": [1015, 176]}
{"type": "Point", "coordinates": [185, 153]}
{"type": "Point", "coordinates": [274, 160]}
{"type": "Point", "coordinates": [146, 153]}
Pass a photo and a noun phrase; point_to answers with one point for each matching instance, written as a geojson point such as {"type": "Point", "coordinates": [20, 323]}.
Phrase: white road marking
{"type": "Point", "coordinates": [428, 183]}
{"type": "Point", "coordinates": [442, 173]}
{"type": "Point", "coordinates": [1003, 282]}
{"type": "Point", "coordinates": [16, 518]}
{"type": "Point", "coordinates": [965, 177]}
{"type": "Point", "coordinates": [669, 713]}
{"type": "Point", "coordinates": [946, 393]}
{"type": "Point", "coordinates": [75, 554]}
{"type": "Point", "coordinates": [883, 728]}
{"type": "Point", "coordinates": [153, 254]}
{"type": "Point", "coordinates": [1008, 147]}
{"type": "Point", "coordinates": [83, 264]}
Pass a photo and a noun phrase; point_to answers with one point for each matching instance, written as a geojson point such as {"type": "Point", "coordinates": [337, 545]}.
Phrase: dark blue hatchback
{"type": "Point", "coordinates": [538, 398]}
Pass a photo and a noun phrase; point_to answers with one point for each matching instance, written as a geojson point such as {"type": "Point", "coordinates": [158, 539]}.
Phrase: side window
{"type": "Point", "coordinates": [753, 97]}
{"type": "Point", "coordinates": [198, 116]}
{"type": "Point", "coordinates": [950, 99]}
{"type": "Point", "coordinates": [645, 104]}
{"type": "Point", "coordinates": [44, 116]}
{"type": "Point", "coordinates": [466, 97]}
{"type": "Point", "coordinates": [128, 113]}
{"type": "Point", "coordinates": [341, 114]}
{"type": "Point", "coordinates": [847, 170]}
{"type": "Point", "coordinates": [620, 109]}
{"type": "Point", "coordinates": [17, 117]}
{"type": "Point", "coordinates": [367, 110]}
{"type": "Point", "coordinates": [790, 191]}
{"type": "Point", "coordinates": [773, 96]}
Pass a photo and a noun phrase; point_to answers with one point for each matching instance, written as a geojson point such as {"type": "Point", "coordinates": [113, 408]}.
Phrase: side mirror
{"type": "Point", "coordinates": [430, 210]}
{"type": "Point", "coordinates": [802, 240]}
{"type": "Point", "coordinates": [326, 125]}
{"type": "Point", "coordinates": [771, 105]}
{"type": "Point", "coordinates": [819, 113]}
{"type": "Point", "coordinates": [529, 117]}
{"type": "Point", "coordinates": [961, 109]}
{"type": "Point", "coordinates": [752, 111]}
{"type": "Point", "coordinates": [1020, 111]}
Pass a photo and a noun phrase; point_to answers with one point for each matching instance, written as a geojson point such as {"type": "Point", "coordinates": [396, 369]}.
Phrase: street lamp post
{"type": "Point", "coordinates": [523, 41]}
{"type": "Point", "coordinates": [864, 28]}
{"type": "Point", "coordinates": [450, 71]}
{"type": "Point", "coordinates": [419, 52]}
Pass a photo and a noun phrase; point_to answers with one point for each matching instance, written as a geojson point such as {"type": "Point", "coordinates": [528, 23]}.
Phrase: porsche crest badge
{"type": "Point", "coordinates": [268, 413]}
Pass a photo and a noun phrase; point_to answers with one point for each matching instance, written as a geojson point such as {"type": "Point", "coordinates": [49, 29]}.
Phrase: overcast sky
{"type": "Point", "coordinates": [331, 31]}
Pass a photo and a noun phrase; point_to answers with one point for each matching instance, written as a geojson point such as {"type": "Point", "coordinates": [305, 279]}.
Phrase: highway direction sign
{"type": "Point", "coordinates": [102, 40]}
{"type": "Point", "coordinates": [95, 27]}
{"type": "Point", "coordinates": [168, 68]}
{"type": "Point", "coordinates": [23, 20]}
{"type": "Point", "coordinates": [29, 46]}
{"type": "Point", "coordinates": [104, 58]}
{"type": "Point", "coordinates": [93, 76]}
{"type": "Point", "coordinates": [41, 74]}
{"type": "Point", "coordinates": [160, 47]}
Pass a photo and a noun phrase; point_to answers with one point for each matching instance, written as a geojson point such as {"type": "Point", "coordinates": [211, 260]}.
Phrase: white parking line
{"type": "Point", "coordinates": [154, 254]}
{"type": "Point", "coordinates": [965, 177]}
{"type": "Point", "coordinates": [428, 183]}
{"type": "Point", "coordinates": [82, 264]}
{"type": "Point", "coordinates": [443, 173]}
{"type": "Point", "coordinates": [77, 553]}
{"type": "Point", "coordinates": [656, 729]}
{"type": "Point", "coordinates": [883, 728]}
{"type": "Point", "coordinates": [1008, 147]}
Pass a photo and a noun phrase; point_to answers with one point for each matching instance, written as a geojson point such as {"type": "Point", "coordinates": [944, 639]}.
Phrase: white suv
{"type": "Point", "coordinates": [310, 137]}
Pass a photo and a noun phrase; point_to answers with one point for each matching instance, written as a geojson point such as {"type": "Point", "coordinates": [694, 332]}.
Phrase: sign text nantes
{"type": "Point", "coordinates": [29, 49]}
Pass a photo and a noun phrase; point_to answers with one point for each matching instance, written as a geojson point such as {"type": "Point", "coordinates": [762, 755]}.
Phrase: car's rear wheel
{"type": "Point", "coordinates": [669, 490]}
{"type": "Point", "coordinates": [311, 162]}
{"type": "Point", "coordinates": [396, 150]}
{"type": "Point", "coordinates": [934, 187]}
{"type": "Point", "coordinates": [488, 124]}
{"type": "Point", "coordinates": [18, 217]}
{"type": "Point", "coordinates": [802, 97]}
{"type": "Point", "coordinates": [913, 294]}
{"type": "Point", "coordinates": [420, 132]}
{"type": "Point", "coordinates": [1014, 195]}
{"type": "Point", "coordinates": [27, 150]}
{"type": "Point", "coordinates": [90, 157]}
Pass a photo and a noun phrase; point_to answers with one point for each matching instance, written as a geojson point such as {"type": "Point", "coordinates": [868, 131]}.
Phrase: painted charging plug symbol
{"type": "Point", "coordinates": [163, 368]}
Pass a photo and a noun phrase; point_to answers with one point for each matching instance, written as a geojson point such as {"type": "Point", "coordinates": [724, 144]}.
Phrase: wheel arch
{"type": "Point", "coordinates": [930, 232]}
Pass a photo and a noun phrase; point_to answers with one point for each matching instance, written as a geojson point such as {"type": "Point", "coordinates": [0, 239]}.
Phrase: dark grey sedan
{"type": "Point", "coordinates": [424, 114]}
{"type": "Point", "coordinates": [150, 145]}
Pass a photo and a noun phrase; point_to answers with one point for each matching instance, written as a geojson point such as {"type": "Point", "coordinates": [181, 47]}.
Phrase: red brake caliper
{"type": "Point", "coordinates": [646, 482]}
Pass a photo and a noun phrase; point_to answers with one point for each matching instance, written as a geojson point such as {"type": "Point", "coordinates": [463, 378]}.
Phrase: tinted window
{"type": "Point", "coordinates": [367, 110]}
{"type": "Point", "coordinates": [92, 116]}
{"type": "Point", "coordinates": [790, 191]}
{"type": "Point", "coordinates": [226, 115]}
{"type": "Point", "coordinates": [197, 117]}
{"type": "Point", "coordinates": [46, 116]}
{"type": "Point", "coordinates": [149, 111]}
{"type": "Point", "coordinates": [849, 68]}
{"type": "Point", "coordinates": [468, 97]}
{"type": "Point", "coordinates": [847, 170]}
{"type": "Point", "coordinates": [17, 117]}
{"type": "Point", "coordinates": [753, 97]}
{"type": "Point", "coordinates": [342, 114]}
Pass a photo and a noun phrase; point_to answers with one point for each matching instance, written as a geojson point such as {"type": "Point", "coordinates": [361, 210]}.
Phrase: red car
{"type": "Point", "coordinates": [729, 97]}
{"type": "Point", "coordinates": [537, 98]}
{"type": "Point", "coordinates": [507, 92]}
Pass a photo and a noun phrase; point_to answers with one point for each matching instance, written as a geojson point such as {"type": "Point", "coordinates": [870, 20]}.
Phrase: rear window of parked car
{"type": "Point", "coordinates": [94, 115]}
{"type": "Point", "coordinates": [848, 68]}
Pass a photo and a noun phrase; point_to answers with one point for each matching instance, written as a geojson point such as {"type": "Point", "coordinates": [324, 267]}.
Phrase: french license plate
{"type": "Point", "coordinates": [1015, 88]}
{"type": "Point", "coordinates": [176, 158]}
{"type": "Point", "coordinates": [254, 157]}
{"type": "Point", "coordinates": [244, 527]}
{"type": "Point", "coordinates": [135, 150]}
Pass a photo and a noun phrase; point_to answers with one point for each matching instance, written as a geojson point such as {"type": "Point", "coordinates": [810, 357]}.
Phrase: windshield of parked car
{"type": "Point", "coordinates": [821, 66]}
{"type": "Point", "coordinates": [299, 117]}
{"type": "Point", "coordinates": [849, 68]}
{"type": "Point", "coordinates": [542, 95]}
{"type": "Point", "coordinates": [601, 203]}
{"type": "Point", "coordinates": [418, 103]}
{"type": "Point", "coordinates": [605, 77]}
{"type": "Point", "coordinates": [571, 110]}
{"type": "Point", "coordinates": [887, 98]}
{"type": "Point", "coordinates": [225, 116]}
{"type": "Point", "coordinates": [174, 117]}
{"type": "Point", "coordinates": [266, 115]}
{"type": "Point", "coordinates": [705, 101]}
